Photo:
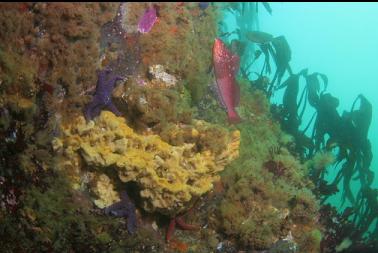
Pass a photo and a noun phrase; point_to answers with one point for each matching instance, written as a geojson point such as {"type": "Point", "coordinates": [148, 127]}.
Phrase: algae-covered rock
{"type": "Point", "coordinates": [152, 107]}
{"type": "Point", "coordinates": [267, 193]}
{"type": "Point", "coordinates": [169, 176]}
{"type": "Point", "coordinates": [182, 40]}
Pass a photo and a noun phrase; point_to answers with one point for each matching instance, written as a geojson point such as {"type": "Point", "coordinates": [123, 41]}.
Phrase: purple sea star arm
{"type": "Point", "coordinates": [114, 109]}
{"type": "Point", "coordinates": [104, 87]}
{"type": "Point", "coordinates": [124, 208]}
{"type": "Point", "coordinates": [102, 98]}
{"type": "Point", "coordinates": [131, 215]}
{"type": "Point", "coordinates": [115, 79]}
{"type": "Point", "coordinates": [110, 209]}
{"type": "Point", "coordinates": [93, 108]}
{"type": "Point", "coordinates": [102, 75]}
{"type": "Point", "coordinates": [119, 213]}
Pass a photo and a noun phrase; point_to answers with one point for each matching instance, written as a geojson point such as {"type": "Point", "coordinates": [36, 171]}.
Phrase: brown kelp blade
{"type": "Point", "coordinates": [362, 116]}
{"type": "Point", "coordinates": [259, 37]}
{"type": "Point", "coordinates": [282, 56]}
{"type": "Point", "coordinates": [265, 50]}
{"type": "Point", "coordinates": [313, 86]}
{"type": "Point", "coordinates": [267, 7]}
{"type": "Point", "coordinates": [282, 49]}
{"type": "Point", "coordinates": [257, 54]}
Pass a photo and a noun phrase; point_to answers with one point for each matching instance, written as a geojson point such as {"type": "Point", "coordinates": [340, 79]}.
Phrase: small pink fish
{"type": "Point", "coordinates": [226, 66]}
{"type": "Point", "coordinates": [147, 21]}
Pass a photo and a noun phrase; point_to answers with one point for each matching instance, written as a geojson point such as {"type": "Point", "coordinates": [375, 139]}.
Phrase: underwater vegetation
{"type": "Point", "coordinates": [119, 137]}
{"type": "Point", "coordinates": [337, 141]}
{"type": "Point", "coordinates": [267, 198]}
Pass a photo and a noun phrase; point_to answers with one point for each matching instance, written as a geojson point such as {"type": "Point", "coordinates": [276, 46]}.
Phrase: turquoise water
{"type": "Point", "coordinates": [339, 40]}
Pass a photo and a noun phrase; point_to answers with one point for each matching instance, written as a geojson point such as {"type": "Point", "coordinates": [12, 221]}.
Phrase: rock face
{"type": "Point", "coordinates": [170, 177]}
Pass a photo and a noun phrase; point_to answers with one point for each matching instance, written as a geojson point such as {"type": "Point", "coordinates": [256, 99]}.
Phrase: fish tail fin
{"type": "Point", "coordinates": [233, 117]}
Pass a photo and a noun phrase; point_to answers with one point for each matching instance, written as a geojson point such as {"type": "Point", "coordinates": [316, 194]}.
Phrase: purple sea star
{"type": "Point", "coordinates": [102, 98]}
{"type": "Point", "coordinates": [124, 208]}
{"type": "Point", "coordinates": [113, 32]}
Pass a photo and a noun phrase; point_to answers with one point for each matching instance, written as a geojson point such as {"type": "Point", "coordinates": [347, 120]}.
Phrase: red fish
{"type": "Point", "coordinates": [226, 65]}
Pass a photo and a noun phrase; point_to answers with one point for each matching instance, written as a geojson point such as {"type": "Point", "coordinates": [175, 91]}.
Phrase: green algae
{"type": "Point", "coordinates": [260, 207]}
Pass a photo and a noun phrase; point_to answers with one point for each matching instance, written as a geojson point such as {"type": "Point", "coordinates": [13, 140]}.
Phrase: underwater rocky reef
{"type": "Point", "coordinates": [125, 129]}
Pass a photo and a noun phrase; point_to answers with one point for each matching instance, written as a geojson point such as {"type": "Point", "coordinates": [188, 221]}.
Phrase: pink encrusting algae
{"type": "Point", "coordinates": [147, 21]}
